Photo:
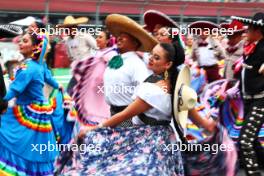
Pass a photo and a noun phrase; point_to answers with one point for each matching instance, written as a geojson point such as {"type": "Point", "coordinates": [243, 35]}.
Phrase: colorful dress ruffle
{"type": "Point", "coordinates": [210, 154]}
{"type": "Point", "coordinates": [27, 133]}
{"type": "Point", "coordinates": [23, 128]}
{"type": "Point", "coordinates": [232, 119]}
{"type": "Point", "coordinates": [88, 93]}
{"type": "Point", "coordinates": [227, 105]}
{"type": "Point", "coordinates": [209, 159]}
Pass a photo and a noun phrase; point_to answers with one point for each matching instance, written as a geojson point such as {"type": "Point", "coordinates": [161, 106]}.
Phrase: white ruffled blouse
{"type": "Point", "coordinates": [157, 98]}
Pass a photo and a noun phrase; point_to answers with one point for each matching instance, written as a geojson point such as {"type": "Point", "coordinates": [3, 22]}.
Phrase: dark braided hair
{"type": "Point", "coordinates": [37, 42]}
{"type": "Point", "coordinates": [172, 53]}
{"type": "Point", "coordinates": [180, 55]}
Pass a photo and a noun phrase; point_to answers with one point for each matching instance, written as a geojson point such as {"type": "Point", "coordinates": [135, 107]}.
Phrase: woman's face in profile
{"type": "Point", "coordinates": [101, 40]}
{"type": "Point", "coordinates": [158, 61]}
{"type": "Point", "coordinates": [25, 45]}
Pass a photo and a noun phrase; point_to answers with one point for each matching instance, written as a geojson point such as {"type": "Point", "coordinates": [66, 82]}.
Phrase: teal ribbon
{"type": "Point", "coordinates": [116, 62]}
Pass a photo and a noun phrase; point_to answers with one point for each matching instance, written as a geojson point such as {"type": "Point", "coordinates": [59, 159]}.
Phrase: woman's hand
{"type": "Point", "coordinates": [61, 88]}
{"type": "Point", "coordinates": [84, 131]}
{"type": "Point", "coordinates": [207, 123]}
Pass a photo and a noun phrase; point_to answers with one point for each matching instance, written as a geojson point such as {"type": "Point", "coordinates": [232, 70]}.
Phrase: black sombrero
{"type": "Point", "coordinates": [10, 30]}
{"type": "Point", "coordinates": [257, 20]}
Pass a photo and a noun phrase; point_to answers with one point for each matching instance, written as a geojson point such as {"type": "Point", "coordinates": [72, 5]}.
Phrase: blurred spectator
{"type": "Point", "coordinates": [207, 51]}
{"type": "Point", "coordinates": [234, 48]}
{"type": "Point", "coordinates": [79, 45]}
{"type": "Point", "coordinates": [188, 46]}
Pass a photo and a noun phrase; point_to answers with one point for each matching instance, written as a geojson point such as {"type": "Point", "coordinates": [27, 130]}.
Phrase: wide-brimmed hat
{"type": "Point", "coordinates": [185, 98]}
{"type": "Point", "coordinates": [203, 25]}
{"type": "Point", "coordinates": [118, 24]}
{"type": "Point", "coordinates": [71, 21]}
{"type": "Point", "coordinates": [224, 25]}
{"type": "Point", "coordinates": [9, 30]}
{"type": "Point", "coordinates": [154, 17]}
{"type": "Point", "coordinates": [256, 20]}
{"type": "Point", "coordinates": [235, 26]}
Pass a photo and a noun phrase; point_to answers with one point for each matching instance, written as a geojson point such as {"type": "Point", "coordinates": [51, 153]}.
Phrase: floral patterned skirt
{"type": "Point", "coordinates": [213, 155]}
{"type": "Point", "coordinates": [138, 150]}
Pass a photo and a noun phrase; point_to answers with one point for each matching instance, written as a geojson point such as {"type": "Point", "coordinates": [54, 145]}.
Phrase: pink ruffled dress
{"type": "Point", "coordinates": [88, 92]}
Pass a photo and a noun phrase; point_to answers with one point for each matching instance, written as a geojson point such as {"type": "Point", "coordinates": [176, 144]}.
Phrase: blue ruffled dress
{"type": "Point", "coordinates": [27, 138]}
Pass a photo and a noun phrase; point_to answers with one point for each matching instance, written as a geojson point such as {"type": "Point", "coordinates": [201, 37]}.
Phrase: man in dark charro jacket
{"type": "Point", "coordinates": [252, 88]}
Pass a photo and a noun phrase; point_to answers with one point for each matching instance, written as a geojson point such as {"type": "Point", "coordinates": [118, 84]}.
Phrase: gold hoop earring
{"type": "Point", "coordinates": [166, 75]}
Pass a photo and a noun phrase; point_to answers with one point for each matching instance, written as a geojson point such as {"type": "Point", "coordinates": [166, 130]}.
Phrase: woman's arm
{"type": "Point", "coordinates": [49, 79]}
{"type": "Point", "coordinates": [208, 124]}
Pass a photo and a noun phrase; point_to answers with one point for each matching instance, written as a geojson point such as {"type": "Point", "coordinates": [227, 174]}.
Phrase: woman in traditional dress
{"type": "Point", "coordinates": [28, 124]}
{"type": "Point", "coordinates": [139, 149]}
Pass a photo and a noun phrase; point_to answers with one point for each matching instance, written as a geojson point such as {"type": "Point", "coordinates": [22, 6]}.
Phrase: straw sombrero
{"type": "Point", "coordinates": [10, 30]}
{"type": "Point", "coordinates": [118, 24]}
{"type": "Point", "coordinates": [256, 20]}
{"type": "Point", "coordinates": [71, 21]}
{"type": "Point", "coordinates": [153, 17]}
{"type": "Point", "coordinates": [185, 98]}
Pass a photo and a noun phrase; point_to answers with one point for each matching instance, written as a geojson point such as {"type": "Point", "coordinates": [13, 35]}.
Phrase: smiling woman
{"type": "Point", "coordinates": [140, 145]}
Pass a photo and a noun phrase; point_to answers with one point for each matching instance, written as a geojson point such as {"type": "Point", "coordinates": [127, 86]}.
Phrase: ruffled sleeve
{"type": "Point", "coordinates": [154, 96]}
{"type": "Point", "coordinates": [23, 76]}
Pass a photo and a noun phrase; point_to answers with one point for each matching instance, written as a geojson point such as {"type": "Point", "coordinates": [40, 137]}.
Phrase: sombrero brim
{"type": "Point", "coordinates": [226, 26]}
{"type": "Point", "coordinates": [248, 21]}
{"type": "Point", "coordinates": [184, 78]}
{"type": "Point", "coordinates": [153, 17]}
{"type": "Point", "coordinates": [118, 24]}
{"type": "Point", "coordinates": [10, 30]}
{"type": "Point", "coordinates": [81, 20]}
{"type": "Point", "coordinates": [239, 31]}
{"type": "Point", "coordinates": [203, 24]}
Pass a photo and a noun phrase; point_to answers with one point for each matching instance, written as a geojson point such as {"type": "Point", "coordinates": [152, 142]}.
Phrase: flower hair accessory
{"type": "Point", "coordinates": [39, 47]}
